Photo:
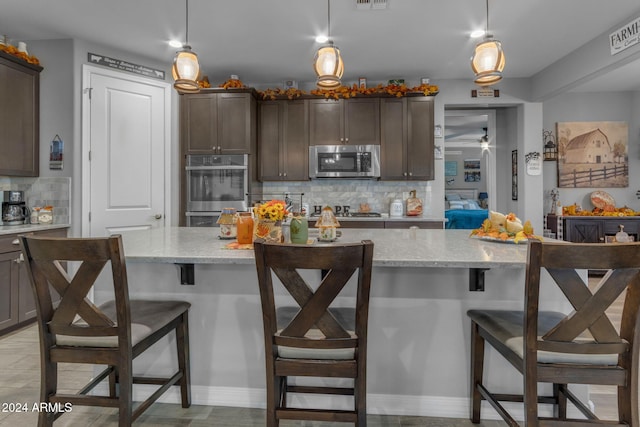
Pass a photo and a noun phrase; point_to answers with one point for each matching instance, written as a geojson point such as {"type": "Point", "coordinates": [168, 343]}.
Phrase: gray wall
{"type": "Point", "coordinates": [601, 106]}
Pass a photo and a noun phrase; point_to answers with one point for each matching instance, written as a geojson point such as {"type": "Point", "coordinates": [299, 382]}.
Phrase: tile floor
{"type": "Point", "coordinates": [20, 376]}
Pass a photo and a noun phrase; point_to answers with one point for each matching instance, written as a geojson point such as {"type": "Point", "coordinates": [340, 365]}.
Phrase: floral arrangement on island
{"type": "Point", "coordinates": [505, 227]}
{"type": "Point", "coordinates": [268, 224]}
{"type": "Point", "coordinates": [273, 210]}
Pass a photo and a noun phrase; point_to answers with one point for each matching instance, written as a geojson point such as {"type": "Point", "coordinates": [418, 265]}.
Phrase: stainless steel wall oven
{"type": "Point", "coordinates": [215, 182]}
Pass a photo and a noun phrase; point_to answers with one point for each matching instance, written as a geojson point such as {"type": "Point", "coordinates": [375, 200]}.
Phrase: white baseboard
{"type": "Point", "coordinates": [425, 406]}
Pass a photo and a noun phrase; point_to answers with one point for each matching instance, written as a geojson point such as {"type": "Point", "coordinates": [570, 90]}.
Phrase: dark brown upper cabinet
{"type": "Point", "coordinates": [217, 122]}
{"type": "Point", "coordinates": [344, 121]}
{"type": "Point", "coordinates": [19, 117]}
{"type": "Point", "coordinates": [407, 145]}
{"type": "Point", "coordinates": [283, 140]}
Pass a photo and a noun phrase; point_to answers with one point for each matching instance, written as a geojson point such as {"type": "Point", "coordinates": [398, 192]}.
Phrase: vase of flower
{"type": "Point", "coordinates": [268, 223]}
{"type": "Point", "coordinates": [268, 230]}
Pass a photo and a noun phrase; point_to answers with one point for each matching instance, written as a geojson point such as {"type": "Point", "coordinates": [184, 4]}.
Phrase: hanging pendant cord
{"type": "Point", "coordinates": [329, 19]}
{"type": "Point", "coordinates": [486, 30]}
{"type": "Point", "coordinates": [187, 19]}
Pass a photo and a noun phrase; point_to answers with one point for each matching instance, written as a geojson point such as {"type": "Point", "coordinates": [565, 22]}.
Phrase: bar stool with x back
{"type": "Point", "coordinates": [112, 334]}
{"type": "Point", "coordinates": [581, 347]}
{"type": "Point", "coordinates": [326, 336]}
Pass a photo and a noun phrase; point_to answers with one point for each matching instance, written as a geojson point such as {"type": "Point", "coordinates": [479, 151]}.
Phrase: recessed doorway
{"type": "Point", "coordinates": [470, 146]}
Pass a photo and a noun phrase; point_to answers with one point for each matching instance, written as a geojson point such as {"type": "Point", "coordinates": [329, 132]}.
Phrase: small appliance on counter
{"type": "Point", "coordinates": [14, 209]}
{"type": "Point", "coordinates": [395, 209]}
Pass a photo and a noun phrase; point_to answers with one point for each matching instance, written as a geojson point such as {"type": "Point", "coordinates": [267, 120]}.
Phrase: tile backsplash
{"type": "Point", "coordinates": [378, 194]}
{"type": "Point", "coordinates": [43, 191]}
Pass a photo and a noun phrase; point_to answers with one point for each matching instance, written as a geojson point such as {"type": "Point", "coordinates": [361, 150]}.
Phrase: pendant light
{"type": "Point", "coordinates": [327, 62]}
{"type": "Point", "coordinates": [185, 68]}
{"type": "Point", "coordinates": [488, 60]}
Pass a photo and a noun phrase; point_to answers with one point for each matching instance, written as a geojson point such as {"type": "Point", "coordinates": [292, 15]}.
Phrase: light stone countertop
{"type": "Point", "coordinates": [393, 248]}
{"type": "Point", "coordinates": [26, 228]}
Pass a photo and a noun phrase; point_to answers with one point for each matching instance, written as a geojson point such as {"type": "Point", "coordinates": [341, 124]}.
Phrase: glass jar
{"type": "Point", "coordinates": [34, 214]}
{"type": "Point", "coordinates": [227, 223]}
{"type": "Point", "coordinates": [299, 229]}
{"type": "Point", "coordinates": [45, 215]}
{"type": "Point", "coordinates": [245, 228]}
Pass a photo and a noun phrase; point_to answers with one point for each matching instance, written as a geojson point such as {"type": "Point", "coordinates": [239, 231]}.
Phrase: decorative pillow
{"type": "Point", "coordinates": [456, 204]}
{"type": "Point", "coordinates": [452, 197]}
{"type": "Point", "coordinates": [472, 204]}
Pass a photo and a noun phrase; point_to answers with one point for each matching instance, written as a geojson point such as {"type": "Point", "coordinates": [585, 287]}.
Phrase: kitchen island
{"type": "Point", "coordinates": [418, 360]}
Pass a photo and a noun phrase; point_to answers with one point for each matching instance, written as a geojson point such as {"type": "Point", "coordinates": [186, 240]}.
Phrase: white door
{"type": "Point", "coordinates": [126, 136]}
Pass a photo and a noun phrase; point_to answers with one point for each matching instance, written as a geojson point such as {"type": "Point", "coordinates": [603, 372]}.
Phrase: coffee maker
{"type": "Point", "coordinates": [14, 209]}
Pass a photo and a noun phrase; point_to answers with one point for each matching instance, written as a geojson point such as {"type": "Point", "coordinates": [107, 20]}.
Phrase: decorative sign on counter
{"type": "Point", "coordinates": [121, 65]}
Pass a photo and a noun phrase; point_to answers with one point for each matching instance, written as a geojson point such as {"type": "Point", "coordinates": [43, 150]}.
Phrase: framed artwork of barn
{"type": "Point", "coordinates": [592, 154]}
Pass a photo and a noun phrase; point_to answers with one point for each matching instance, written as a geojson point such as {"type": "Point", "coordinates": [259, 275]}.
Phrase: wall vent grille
{"type": "Point", "coordinates": [372, 4]}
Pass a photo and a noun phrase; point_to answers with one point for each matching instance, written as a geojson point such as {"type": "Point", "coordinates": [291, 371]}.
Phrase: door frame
{"type": "Point", "coordinates": [489, 153]}
{"type": "Point", "coordinates": [87, 72]}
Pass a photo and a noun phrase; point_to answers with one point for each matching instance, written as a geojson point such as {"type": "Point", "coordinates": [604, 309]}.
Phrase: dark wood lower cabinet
{"type": "Point", "coordinates": [17, 304]}
{"type": "Point", "coordinates": [579, 229]}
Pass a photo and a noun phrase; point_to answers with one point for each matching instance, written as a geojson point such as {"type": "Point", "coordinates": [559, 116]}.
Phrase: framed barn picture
{"type": "Point", "coordinates": [592, 154]}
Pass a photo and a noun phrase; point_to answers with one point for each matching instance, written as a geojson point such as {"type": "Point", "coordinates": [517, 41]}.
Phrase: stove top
{"type": "Point", "coordinates": [352, 214]}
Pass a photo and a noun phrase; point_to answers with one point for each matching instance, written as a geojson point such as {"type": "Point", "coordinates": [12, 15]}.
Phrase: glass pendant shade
{"type": "Point", "coordinates": [328, 66]}
{"type": "Point", "coordinates": [488, 62]}
{"type": "Point", "coordinates": [185, 70]}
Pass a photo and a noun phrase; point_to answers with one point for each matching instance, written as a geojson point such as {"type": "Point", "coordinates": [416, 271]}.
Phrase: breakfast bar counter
{"type": "Point", "coordinates": [393, 248]}
{"type": "Point", "coordinates": [418, 353]}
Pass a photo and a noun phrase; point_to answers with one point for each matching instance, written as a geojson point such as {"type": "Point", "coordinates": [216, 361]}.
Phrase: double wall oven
{"type": "Point", "coordinates": [215, 182]}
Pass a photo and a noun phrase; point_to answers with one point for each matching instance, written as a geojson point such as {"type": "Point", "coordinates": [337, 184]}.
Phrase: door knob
{"type": "Point", "coordinates": [158, 216]}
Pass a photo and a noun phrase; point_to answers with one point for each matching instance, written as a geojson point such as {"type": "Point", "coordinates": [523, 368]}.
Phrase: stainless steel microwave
{"type": "Point", "coordinates": [344, 161]}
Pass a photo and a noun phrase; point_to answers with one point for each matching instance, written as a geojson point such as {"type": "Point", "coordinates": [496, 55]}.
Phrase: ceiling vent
{"type": "Point", "coordinates": [372, 4]}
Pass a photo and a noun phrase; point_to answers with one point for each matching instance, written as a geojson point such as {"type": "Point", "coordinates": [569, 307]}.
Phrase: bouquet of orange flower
{"type": "Point", "coordinates": [273, 209]}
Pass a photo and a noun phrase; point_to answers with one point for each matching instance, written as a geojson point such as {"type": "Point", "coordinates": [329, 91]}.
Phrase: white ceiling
{"type": "Point", "coordinates": [268, 41]}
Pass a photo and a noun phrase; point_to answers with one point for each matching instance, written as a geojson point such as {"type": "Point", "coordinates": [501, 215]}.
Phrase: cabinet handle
{"type": "Point", "coordinates": [158, 216]}
{"type": "Point", "coordinates": [15, 242]}
{"type": "Point", "coordinates": [410, 173]}
{"type": "Point", "coordinates": [19, 260]}
{"type": "Point", "coordinates": [346, 140]}
{"type": "Point", "coordinates": [404, 174]}
{"type": "Point", "coordinates": [284, 174]}
{"type": "Point", "coordinates": [219, 149]}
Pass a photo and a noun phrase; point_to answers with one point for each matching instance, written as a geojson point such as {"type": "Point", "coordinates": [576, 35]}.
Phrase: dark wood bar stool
{"type": "Point", "coordinates": [316, 339]}
{"type": "Point", "coordinates": [112, 334]}
{"type": "Point", "coordinates": [582, 347]}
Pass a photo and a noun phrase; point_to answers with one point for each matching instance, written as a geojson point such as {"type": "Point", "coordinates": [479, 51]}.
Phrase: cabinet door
{"type": "Point", "coordinates": [295, 147]}
{"type": "Point", "coordinates": [362, 121]}
{"type": "Point", "coordinates": [393, 139]}
{"type": "Point", "coordinates": [199, 126]}
{"type": "Point", "coordinates": [583, 230]}
{"type": "Point", "coordinates": [420, 143]}
{"type": "Point", "coordinates": [431, 225]}
{"type": "Point", "coordinates": [8, 290]}
{"type": "Point", "coordinates": [19, 119]}
{"type": "Point", "coordinates": [26, 299]}
{"type": "Point", "coordinates": [326, 122]}
{"type": "Point", "coordinates": [630, 226]}
{"type": "Point", "coordinates": [234, 123]}
{"type": "Point", "coordinates": [269, 137]}
{"type": "Point", "coordinates": [362, 224]}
